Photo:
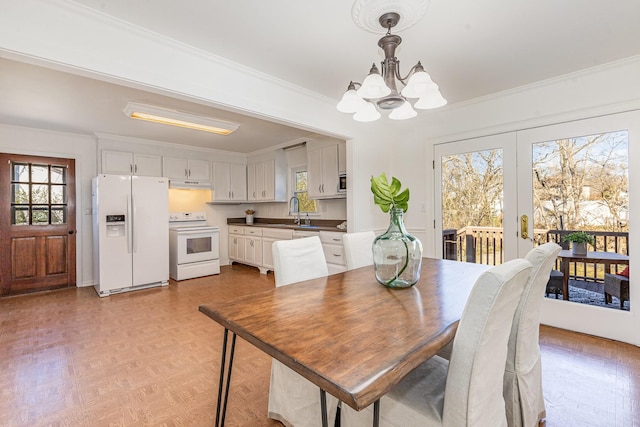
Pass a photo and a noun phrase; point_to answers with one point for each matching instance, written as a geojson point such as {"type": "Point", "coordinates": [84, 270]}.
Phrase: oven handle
{"type": "Point", "coordinates": [192, 232]}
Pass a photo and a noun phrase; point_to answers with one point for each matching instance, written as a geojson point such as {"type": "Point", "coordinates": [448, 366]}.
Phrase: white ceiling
{"type": "Point", "coordinates": [471, 49]}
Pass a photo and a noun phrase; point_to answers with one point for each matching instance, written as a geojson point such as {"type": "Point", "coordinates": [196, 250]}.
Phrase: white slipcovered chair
{"type": "Point", "coordinates": [467, 391]}
{"type": "Point", "coordinates": [523, 372]}
{"type": "Point", "coordinates": [293, 400]}
{"type": "Point", "coordinates": [358, 250]}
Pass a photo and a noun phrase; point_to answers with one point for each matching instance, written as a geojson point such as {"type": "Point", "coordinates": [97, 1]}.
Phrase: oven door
{"type": "Point", "coordinates": [196, 246]}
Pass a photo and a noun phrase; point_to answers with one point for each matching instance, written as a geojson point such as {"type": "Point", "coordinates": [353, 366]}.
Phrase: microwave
{"type": "Point", "coordinates": [342, 182]}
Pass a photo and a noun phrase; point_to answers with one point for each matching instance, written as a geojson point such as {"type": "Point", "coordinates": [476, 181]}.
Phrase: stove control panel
{"type": "Point", "coordinates": [187, 216]}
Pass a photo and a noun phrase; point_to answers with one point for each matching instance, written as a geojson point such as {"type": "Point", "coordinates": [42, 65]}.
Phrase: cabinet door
{"type": "Point", "coordinates": [269, 168]}
{"type": "Point", "coordinates": [253, 250]}
{"type": "Point", "coordinates": [147, 165]}
{"type": "Point", "coordinates": [199, 170]}
{"type": "Point", "coordinates": [221, 181]}
{"type": "Point", "coordinates": [342, 157]}
{"type": "Point", "coordinates": [173, 168]}
{"type": "Point", "coordinates": [314, 169]}
{"type": "Point", "coordinates": [330, 171]}
{"type": "Point", "coordinates": [267, 253]}
{"type": "Point", "coordinates": [233, 247]}
{"type": "Point", "coordinates": [252, 191]}
{"type": "Point", "coordinates": [238, 182]}
{"type": "Point", "coordinates": [117, 162]}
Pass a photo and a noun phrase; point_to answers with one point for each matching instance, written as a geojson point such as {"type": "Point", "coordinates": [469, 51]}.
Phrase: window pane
{"type": "Point", "coordinates": [58, 215]}
{"type": "Point", "coordinates": [20, 172]}
{"type": "Point", "coordinates": [301, 181]}
{"type": "Point", "coordinates": [58, 175]}
{"type": "Point", "coordinates": [40, 215]}
{"type": "Point", "coordinates": [58, 194]}
{"type": "Point", "coordinates": [20, 194]}
{"type": "Point", "coordinates": [39, 194]}
{"type": "Point", "coordinates": [306, 205]}
{"type": "Point", "coordinates": [39, 173]}
{"type": "Point", "coordinates": [19, 215]}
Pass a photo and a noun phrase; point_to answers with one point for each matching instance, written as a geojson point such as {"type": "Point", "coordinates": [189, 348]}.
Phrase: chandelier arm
{"type": "Point", "coordinates": [409, 74]}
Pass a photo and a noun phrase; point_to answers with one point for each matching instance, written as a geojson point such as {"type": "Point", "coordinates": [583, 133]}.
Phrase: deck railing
{"type": "Point", "coordinates": [484, 245]}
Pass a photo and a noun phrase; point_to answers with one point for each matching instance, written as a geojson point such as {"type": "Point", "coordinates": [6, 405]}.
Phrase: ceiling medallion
{"type": "Point", "coordinates": [380, 88]}
{"type": "Point", "coordinates": [366, 13]}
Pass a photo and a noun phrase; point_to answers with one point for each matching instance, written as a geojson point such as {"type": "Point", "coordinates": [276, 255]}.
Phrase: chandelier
{"type": "Point", "coordinates": [380, 88]}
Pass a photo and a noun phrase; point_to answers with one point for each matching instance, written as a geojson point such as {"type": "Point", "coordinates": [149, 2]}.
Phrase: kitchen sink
{"type": "Point", "coordinates": [309, 226]}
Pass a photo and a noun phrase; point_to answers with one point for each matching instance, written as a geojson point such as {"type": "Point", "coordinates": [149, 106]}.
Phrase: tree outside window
{"type": "Point", "coordinates": [300, 191]}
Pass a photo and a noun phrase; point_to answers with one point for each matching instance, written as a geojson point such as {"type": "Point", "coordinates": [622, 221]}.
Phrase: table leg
{"type": "Point", "coordinates": [223, 367]}
{"type": "Point", "coordinates": [323, 408]}
{"type": "Point", "coordinates": [376, 413]}
{"type": "Point", "coordinates": [565, 280]}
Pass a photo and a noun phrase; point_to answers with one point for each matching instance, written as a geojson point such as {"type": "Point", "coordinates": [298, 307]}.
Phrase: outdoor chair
{"type": "Point", "coordinates": [554, 285]}
{"type": "Point", "coordinates": [618, 286]}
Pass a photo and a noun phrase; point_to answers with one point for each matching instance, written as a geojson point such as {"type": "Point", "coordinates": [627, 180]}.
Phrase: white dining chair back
{"type": "Point", "coordinates": [297, 260]}
{"type": "Point", "coordinates": [523, 372]}
{"type": "Point", "coordinates": [293, 400]}
{"type": "Point", "coordinates": [358, 249]}
{"type": "Point", "coordinates": [466, 391]}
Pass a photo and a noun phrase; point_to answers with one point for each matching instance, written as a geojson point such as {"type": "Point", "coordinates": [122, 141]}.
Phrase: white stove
{"type": "Point", "coordinates": [194, 246]}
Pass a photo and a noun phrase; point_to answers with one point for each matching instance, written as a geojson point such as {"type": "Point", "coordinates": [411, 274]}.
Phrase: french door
{"type": "Point", "coordinates": [499, 196]}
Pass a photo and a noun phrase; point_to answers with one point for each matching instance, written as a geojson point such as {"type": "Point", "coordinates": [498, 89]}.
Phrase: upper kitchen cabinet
{"type": "Point", "coordinates": [267, 178]}
{"type": "Point", "coordinates": [196, 170]}
{"type": "Point", "coordinates": [323, 171]}
{"type": "Point", "coordinates": [126, 163]}
{"type": "Point", "coordinates": [229, 182]}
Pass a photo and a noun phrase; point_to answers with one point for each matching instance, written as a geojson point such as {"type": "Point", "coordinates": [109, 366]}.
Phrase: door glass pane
{"type": "Point", "coordinates": [58, 195]}
{"type": "Point", "coordinates": [196, 245]}
{"type": "Point", "coordinates": [58, 175]}
{"type": "Point", "coordinates": [58, 215]}
{"type": "Point", "coordinates": [20, 172]}
{"type": "Point", "coordinates": [472, 206]}
{"type": "Point", "coordinates": [19, 215]}
{"type": "Point", "coordinates": [20, 194]}
{"type": "Point", "coordinates": [39, 194]}
{"type": "Point", "coordinates": [40, 215]}
{"type": "Point", "coordinates": [581, 184]}
{"type": "Point", "coordinates": [39, 173]}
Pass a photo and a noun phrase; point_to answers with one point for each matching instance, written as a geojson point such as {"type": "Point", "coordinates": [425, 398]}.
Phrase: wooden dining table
{"type": "Point", "coordinates": [349, 335]}
{"type": "Point", "coordinates": [608, 259]}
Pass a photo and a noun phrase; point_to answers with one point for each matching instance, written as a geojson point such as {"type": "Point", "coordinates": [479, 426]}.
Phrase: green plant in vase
{"type": "Point", "coordinates": [397, 255]}
{"type": "Point", "coordinates": [579, 240]}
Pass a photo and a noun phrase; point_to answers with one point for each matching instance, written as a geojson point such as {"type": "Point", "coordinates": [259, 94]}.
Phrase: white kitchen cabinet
{"type": "Point", "coordinates": [127, 163]}
{"type": "Point", "coordinates": [236, 243]}
{"type": "Point", "coordinates": [229, 182]}
{"type": "Point", "coordinates": [323, 173]}
{"type": "Point", "coordinates": [333, 251]}
{"type": "Point", "coordinates": [270, 235]}
{"type": "Point", "coordinates": [253, 250]}
{"type": "Point", "coordinates": [342, 158]}
{"type": "Point", "coordinates": [192, 169]}
{"type": "Point", "coordinates": [267, 179]}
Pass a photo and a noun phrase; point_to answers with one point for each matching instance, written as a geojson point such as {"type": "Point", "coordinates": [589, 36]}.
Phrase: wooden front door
{"type": "Point", "coordinates": [37, 224]}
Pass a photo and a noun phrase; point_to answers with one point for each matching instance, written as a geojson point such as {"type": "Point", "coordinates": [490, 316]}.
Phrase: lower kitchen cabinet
{"type": "Point", "coordinates": [333, 251]}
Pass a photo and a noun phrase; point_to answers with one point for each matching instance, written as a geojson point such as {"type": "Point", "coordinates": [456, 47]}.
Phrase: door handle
{"type": "Point", "coordinates": [524, 227]}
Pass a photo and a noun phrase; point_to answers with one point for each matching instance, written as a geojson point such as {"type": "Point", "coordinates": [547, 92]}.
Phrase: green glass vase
{"type": "Point", "coordinates": [397, 255]}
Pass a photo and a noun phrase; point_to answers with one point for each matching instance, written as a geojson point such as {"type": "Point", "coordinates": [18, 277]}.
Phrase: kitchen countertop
{"type": "Point", "coordinates": [316, 225]}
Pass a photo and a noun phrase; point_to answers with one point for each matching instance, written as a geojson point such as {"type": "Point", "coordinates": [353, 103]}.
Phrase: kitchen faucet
{"type": "Point", "coordinates": [296, 209]}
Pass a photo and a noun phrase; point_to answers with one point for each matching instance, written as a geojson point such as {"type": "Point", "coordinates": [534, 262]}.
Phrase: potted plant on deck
{"type": "Point", "coordinates": [579, 240]}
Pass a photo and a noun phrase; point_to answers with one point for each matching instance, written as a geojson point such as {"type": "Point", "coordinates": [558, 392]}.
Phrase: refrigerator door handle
{"type": "Point", "coordinates": [129, 227]}
{"type": "Point", "coordinates": [133, 226]}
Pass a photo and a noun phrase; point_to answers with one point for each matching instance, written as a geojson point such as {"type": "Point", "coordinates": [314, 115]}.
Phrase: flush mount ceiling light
{"type": "Point", "coordinates": [166, 116]}
{"type": "Point", "coordinates": [381, 89]}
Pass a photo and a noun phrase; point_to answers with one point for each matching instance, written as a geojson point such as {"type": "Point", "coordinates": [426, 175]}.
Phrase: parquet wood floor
{"type": "Point", "coordinates": [149, 358]}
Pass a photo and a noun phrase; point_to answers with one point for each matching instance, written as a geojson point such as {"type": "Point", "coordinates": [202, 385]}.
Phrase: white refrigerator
{"type": "Point", "coordinates": [130, 232]}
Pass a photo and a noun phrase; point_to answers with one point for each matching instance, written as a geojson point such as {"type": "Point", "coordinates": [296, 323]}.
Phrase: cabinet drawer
{"type": "Point", "coordinates": [253, 231]}
{"type": "Point", "coordinates": [331, 237]}
{"type": "Point", "coordinates": [234, 229]}
{"type": "Point", "coordinates": [277, 234]}
{"type": "Point", "coordinates": [334, 254]}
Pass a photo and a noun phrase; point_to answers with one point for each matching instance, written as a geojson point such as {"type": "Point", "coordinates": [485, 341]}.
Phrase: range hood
{"type": "Point", "coordinates": [190, 185]}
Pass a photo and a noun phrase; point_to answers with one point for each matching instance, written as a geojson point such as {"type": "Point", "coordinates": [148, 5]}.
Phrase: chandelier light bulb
{"type": "Point", "coordinates": [431, 99]}
{"type": "Point", "coordinates": [351, 102]}
{"type": "Point", "coordinates": [418, 85]}
{"type": "Point", "coordinates": [404, 112]}
{"type": "Point", "coordinates": [373, 85]}
{"type": "Point", "coordinates": [368, 113]}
